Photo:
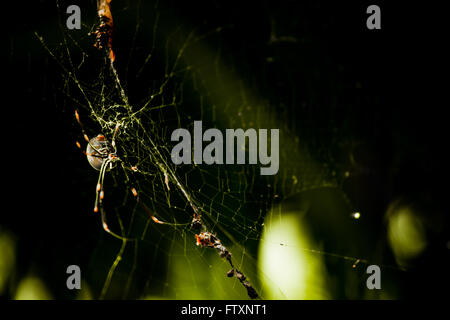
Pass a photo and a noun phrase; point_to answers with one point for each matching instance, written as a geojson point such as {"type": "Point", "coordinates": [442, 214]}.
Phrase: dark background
{"type": "Point", "coordinates": [390, 96]}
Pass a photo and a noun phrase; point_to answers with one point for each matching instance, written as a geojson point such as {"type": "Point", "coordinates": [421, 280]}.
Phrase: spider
{"type": "Point", "coordinates": [102, 156]}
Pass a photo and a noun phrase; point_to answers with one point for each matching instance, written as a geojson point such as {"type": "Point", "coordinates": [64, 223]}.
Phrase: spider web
{"type": "Point", "coordinates": [168, 73]}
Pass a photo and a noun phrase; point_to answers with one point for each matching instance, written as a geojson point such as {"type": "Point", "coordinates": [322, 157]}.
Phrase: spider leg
{"type": "Point", "coordinates": [99, 202]}
{"type": "Point", "coordinates": [113, 141]}
{"type": "Point", "coordinates": [97, 155]}
{"type": "Point", "coordinates": [106, 228]}
{"type": "Point", "coordinates": [99, 188]}
{"type": "Point", "coordinates": [85, 136]}
{"type": "Point", "coordinates": [77, 116]}
{"type": "Point", "coordinates": [146, 209]}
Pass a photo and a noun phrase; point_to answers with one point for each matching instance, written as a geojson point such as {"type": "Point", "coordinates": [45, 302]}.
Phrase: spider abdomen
{"type": "Point", "coordinates": [98, 150]}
